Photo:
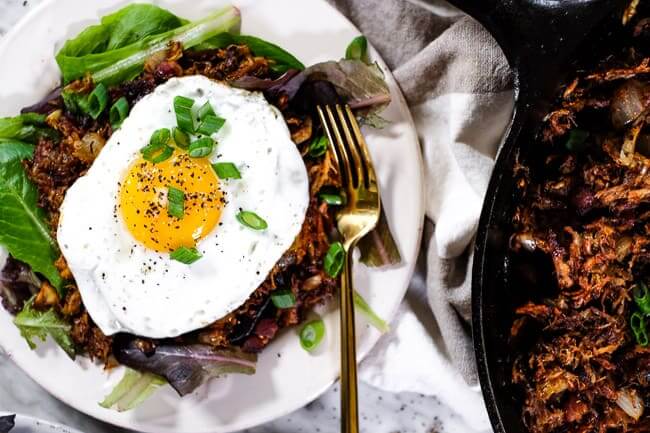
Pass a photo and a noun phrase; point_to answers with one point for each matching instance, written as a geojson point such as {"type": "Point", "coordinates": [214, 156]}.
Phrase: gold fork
{"type": "Point", "coordinates": [359, 216]}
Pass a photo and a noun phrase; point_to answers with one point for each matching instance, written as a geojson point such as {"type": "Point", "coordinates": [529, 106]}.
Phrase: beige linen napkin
{"type": "Point", "coordinates": [458, 86]}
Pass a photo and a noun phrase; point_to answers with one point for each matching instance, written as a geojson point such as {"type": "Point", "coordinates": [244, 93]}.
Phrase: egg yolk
{"type": "Point", "coordinates": [144, 205]}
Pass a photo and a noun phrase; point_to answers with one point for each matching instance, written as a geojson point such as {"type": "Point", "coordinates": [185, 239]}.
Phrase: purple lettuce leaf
{"type": "Point", "coordinates": [378, 248]}
{"type": "Point", "coordinates": [361, 86]}
{"type": "Point", "coordinates": [18, 284]}
{"type": "Point", "coordinates": [263, 84]}
{"type": "Point", "coordinates": [184, 367]}
{"type": "Point", "coordinates": [44, 106]}
{"type": "Point", "coordinates": [353, 82]}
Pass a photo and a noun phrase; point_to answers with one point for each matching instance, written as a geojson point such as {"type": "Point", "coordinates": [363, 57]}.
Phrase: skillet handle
{"type": "Point", "coordinates": [538, 36]}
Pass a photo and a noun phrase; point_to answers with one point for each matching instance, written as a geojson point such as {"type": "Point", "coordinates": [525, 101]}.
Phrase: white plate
{"type": "Point", "coordinates": [287, 377]}
{"type": "Point", "coordinates": [27, 424]}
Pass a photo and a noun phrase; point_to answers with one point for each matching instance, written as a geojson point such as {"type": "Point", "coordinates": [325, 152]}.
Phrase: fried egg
{"type": "Point", "coordinates": [117, 235]}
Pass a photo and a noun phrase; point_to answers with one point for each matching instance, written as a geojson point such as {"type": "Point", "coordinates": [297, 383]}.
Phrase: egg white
{"type": "Point", "coordinates": [129, 288]}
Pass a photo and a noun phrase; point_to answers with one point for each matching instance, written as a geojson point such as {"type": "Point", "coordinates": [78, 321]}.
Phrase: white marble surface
{"type": "Point", "coordinates": [380, 412]}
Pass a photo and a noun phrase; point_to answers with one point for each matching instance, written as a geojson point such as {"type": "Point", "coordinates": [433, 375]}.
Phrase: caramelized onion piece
{"type": "Point", "coordinates": [89, 147]}
{"type": "Point", "coordinates": [623, 246]}
{"type": "Point", "coordinates": [631, 403]}
{"type": "Point", "coordinates": [312, 283]}
{"type": "Point", "coordinates": [47, 296]}
{"type": "Point", "coordinates": [628, 104]}
{"type": "Point", "coordinates": [629, 145]}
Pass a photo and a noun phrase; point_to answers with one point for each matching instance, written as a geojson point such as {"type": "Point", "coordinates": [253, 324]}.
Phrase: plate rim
{"type": "Point", "coordinates": [24, 22]}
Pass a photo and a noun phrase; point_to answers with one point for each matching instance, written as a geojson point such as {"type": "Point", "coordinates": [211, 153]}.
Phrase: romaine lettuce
{"type": "Point", "coordinates": [23, 231]}
{"type": "Point", "coordinates": [11, 150]}
{"type": "Point", "coordinates": [124, 27]}
{"type": "Point", "coordinates": [133, 390]}
{"type": "Point", "coordinates": [26, 127]}
{"type": "Point", "coordinates": [116, 50]}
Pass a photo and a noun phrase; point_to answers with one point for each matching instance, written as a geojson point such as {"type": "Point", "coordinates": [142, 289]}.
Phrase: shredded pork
{"type": "Point", "coordinates": [587, 211]}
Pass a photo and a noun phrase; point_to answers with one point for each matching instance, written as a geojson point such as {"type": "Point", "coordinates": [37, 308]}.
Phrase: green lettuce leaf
{"type": "Point", "coordinates": [283, 60]}
{"type": "Point", "coordinates": [140, 30]}
{"type": "Point", "coordinates": [112, 59]}
{"type": "Point", "coordinates": [26, 127]}
{"type": "Point", "coordinates": [134, 388]}
{"type": "Point", "coordinates": [124, 27]}
{"type": "Point", "coordinates": [128, 26]}
{"type": "Point", "coordinates": [11, 150]}
{"type": "Point", "coordinates": [39, 324]}
{"type": "Point", "coordinates": [358, 49]}
{"type": "Point", "coordinates": [23, 231]}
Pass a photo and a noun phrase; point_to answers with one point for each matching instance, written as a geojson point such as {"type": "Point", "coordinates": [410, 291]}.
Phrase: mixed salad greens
{"type": "Point", "coordinates": [115, 51]}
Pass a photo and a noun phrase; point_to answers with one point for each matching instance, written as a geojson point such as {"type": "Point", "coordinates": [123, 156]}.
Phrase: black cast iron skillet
{"type": "Point", "coordinates": [540, 39]}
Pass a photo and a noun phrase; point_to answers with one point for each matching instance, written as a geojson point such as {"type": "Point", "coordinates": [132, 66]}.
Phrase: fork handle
{"type": "Point", "coordinates": [349, 397]}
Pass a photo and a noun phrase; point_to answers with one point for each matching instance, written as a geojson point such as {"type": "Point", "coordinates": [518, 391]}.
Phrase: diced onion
{"type": "Point", "coordinates": [631, 403]}
{"type": "Point", "coordinates": [628, 104]}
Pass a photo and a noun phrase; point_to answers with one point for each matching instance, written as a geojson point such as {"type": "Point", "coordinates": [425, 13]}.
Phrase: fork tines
{"type": "Point", "coordinates": [350, 149]}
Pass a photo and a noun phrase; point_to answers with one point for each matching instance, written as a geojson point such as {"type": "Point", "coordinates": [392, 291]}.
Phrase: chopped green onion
{"type": "Point", "coordinates": [639, 329]}
{"type": "Point", "coordinates": [201, 147]}
{"type": "Point", "coordinates": [334, 259]}
{"type": "Point", "coordinates": [181, 139]}
{"type": "Point", "coordinates": [75, 102]}
{"type": "Point", "coordinates": [160, 138]}
{"type": "Point", "coordinates": [206, 110]}
{"type": "Point", "coordinates": [157, 155]}
{"type": "Point", "coordinates": [318, 146]}
{"type": "Point", "coordinates": [642, 297]}
{"type": "Point", "coordinates": [373, 318]}
{"type": "Point", "coordinates": [283, 299]}
{"type": "Point", "coordinates": [332, 195]}
{"type": "Point", "coordinates": [210, 125]}
{"type": "Point", "coordinates": [183, 109]}
{"type": "Point", "coordinates": [251, 220]}
{"type": "Point", "coordinates": [175, 202]}
{"type": "Point", "coordinates": [97, 101]}
{"type": "Point", "coordinates": [358, 49]}
{"type": "Point", "coordinates": [576, 140]}
{"type": "Point", "coordinates": [158, 149]}
{"type": "Point", "coordinates": [118, 112]}
{"type": "Point", "coordinates": [311, 335]}
{"type": "Point", "coordinates": [226, 170]}
{"type": "Point", "coordinates": [278, 69]}
{"type": "Point", "coordinates": [332, 199]}
{"type": "Point", "coordinates": [186, 255]}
